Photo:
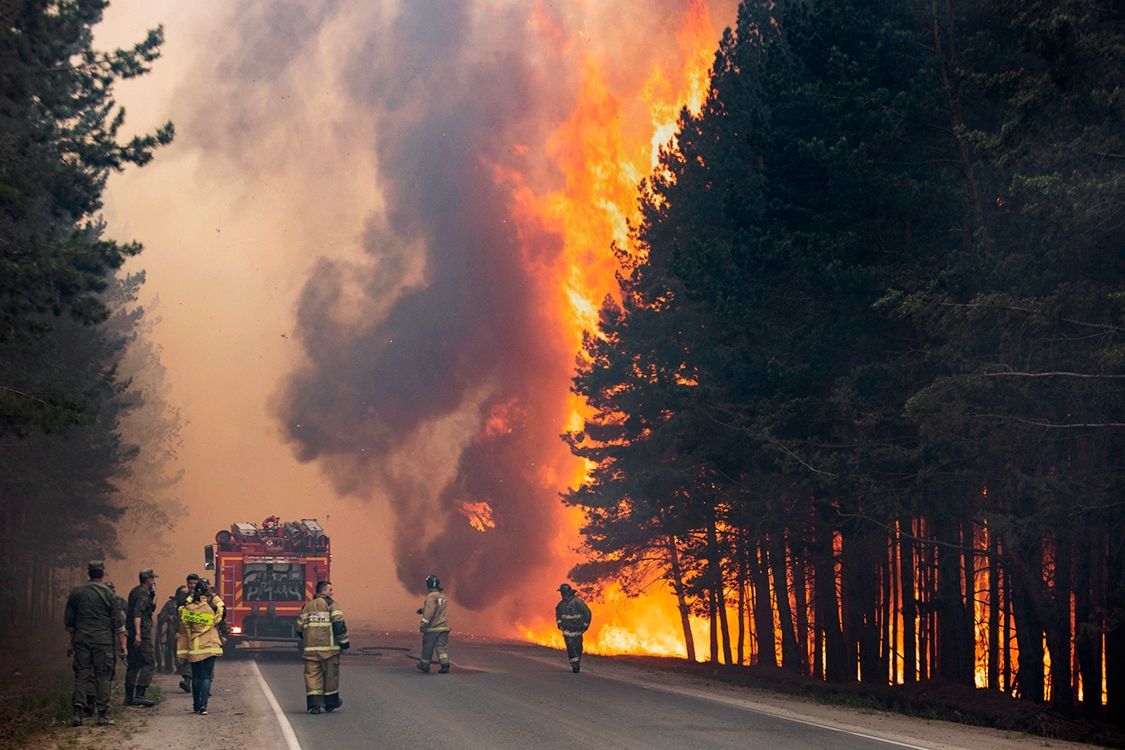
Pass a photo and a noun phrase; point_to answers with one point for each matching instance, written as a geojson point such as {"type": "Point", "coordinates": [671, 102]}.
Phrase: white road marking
{"type": "Point", "coordinates": [740, 703]}
{"type": "Point", "coordinates": [286, 728]}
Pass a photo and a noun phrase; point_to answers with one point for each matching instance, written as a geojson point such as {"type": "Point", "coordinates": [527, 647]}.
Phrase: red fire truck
{"type": "Point", "coordinates": [265, 574]}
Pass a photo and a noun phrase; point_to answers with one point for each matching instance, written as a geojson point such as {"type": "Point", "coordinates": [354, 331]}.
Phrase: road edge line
{"type": "Point", "coordinates": [282, 720]}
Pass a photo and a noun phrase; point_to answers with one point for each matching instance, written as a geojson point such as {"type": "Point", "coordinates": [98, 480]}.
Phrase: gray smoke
{"type": "Point", "coordinates": [432, 376]}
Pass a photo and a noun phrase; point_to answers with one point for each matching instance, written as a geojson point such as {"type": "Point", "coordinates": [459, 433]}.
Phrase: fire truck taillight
{"type": "Point", "coordinates": [235, 629]}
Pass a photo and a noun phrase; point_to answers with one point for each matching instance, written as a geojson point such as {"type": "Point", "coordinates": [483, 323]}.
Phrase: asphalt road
{"type": "Point", "coordinates": [515, 696]}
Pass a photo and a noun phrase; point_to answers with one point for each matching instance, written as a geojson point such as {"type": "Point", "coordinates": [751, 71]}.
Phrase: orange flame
{"type": "Point", "coordinates": [604, 150]}
{"type": "Point", "coordinates": [479, 514]}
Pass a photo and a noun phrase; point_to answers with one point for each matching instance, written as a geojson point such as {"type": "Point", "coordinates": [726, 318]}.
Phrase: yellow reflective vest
{"type": "Point", "coordinates": [198, 636]}
{"type": "Point", "coordinates": [322, 628]}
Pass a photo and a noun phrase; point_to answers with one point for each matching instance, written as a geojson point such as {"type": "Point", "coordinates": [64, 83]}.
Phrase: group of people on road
{"type": "Point", "coordinates": [104, 627]}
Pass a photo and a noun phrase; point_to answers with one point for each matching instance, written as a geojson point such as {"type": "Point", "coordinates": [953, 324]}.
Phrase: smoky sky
{"type": "Point", "coordinates": [434, 372]}
{"type": "Point", "coordinates": [450, 98]}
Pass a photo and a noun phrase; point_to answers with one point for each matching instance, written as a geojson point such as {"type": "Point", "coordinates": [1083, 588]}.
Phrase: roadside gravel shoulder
{"type": "Point", "coordinates": [238, 715]}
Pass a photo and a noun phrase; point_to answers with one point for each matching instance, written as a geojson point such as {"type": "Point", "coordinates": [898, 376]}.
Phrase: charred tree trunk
{"type": "Point", "coordinates": [681, 600]}
{"type": "Point", "coordinates": [1029, 633]}
{"type": "Point", "coordinates": [718, 586]}
{"type": "Point", "coordinates": [1058, 634]}
{"type": "Point", "coordinates": [763, 610]}
{"type": "Point", "coordinates": [909, 602]}
{"type": "Point", "coordinates": [993, 612]}
{"type": "Point", "coordinates": [790, 659]}
{"type": "Point", "coordinates": [800, 597]}
{"type": "Point", "coordinates": [827, 605]}
{"type": "Point", "coordinates": [955, 648]}
{"type": "Point", "coordinates": [740, 552]}
{"type": "Point", "coordinates": [1088, 628]}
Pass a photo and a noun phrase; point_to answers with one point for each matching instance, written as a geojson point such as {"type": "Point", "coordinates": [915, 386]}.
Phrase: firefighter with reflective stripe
{"type": "Point", "coordinates": [434, 627]}
{"type": "Point", "coordinates": [198, 641]}
{"type": "Point", "coordinates": [573, 618]}
{"type": "Point", "coordinates": [324, 636]}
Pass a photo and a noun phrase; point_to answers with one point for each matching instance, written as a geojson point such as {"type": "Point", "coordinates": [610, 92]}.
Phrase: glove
{"type": "Point", "coordinates": [344, 647]}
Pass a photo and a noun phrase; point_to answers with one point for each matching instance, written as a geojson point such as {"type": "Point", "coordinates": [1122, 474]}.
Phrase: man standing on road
{"type": "Point", "coordinates": [182, 594]}
{"type": "Point", "coordinates": [142, 652]}
{"type": "Point", "coordinates": [198, 641]}
{"type": "Point", "coordinates": [324, 636]}
{"type": "Point", "coordinates": [573, 618]}
{"type": "Point", "coordinates": [434, 627]}
{"type": "Point", "coordinates": [94, 622]}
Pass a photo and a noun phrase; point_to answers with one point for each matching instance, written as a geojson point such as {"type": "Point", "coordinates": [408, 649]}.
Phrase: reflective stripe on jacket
{"type": "Point", "coordinates": [198, 636]}
{"type": "Point", "coordinates": [322, 628]}
{"type": "Point", "coordinates": [572, 616]}
{"type": "Point", "coordinates": [435, 613]}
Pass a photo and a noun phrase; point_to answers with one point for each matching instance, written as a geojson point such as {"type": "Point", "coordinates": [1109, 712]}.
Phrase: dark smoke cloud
{"type": "Point", "coordinates": [432, 374]}
{"type": "Point", "coordinates": [451, 98]}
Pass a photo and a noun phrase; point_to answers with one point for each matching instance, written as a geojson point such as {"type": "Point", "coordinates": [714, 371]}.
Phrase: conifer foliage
{"type": "Point", "coordinates": [862, 400]}
{"type": "Point", "coordinates": [68, 317]}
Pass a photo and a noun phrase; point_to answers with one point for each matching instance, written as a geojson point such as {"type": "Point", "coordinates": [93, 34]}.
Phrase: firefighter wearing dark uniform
{"type": "Point", "coordinates": [198, 642]}
{"type": "Point", "coordinates": [434, 627]}
{"type": "Point", "coordinates": [324, 636]}
{"type": "Point", "coordinates": [94, 622]}
{"type": "Point", "coordinates": [142, 650]}
{"type": "Point", "coordinates": [573, 618]}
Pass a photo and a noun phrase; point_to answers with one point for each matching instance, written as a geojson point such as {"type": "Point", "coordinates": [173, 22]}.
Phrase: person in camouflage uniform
{"type": "Point", "coordinates": [94, 622]}
{"type": "Point", "coordinates": [142, 651]}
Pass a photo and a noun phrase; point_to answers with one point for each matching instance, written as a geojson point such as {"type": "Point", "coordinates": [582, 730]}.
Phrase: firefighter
{"type": "Point", "coordinates": [142, 652]}
{"type": "Point", "coordinates": [198, 642]}
{"type": "Point", "coordinates": [183, 668]}
{"type": "Point", "coordinates": [94, 622]}
{"type": "Point", "coordinates": [434, 627]}
{"type": "Point", "coordinates": [573, 618]}
{"type": "Point", "coordinates": [324, 636]}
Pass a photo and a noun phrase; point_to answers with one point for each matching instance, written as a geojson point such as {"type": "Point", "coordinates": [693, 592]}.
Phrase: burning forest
{"type": "Point", "coordinates": [796, 344]}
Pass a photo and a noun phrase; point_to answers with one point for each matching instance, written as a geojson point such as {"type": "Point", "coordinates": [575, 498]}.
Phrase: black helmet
{"type": "Point", "coordinates": [565, 589]}
{"type": "Point", "coordinates": [433, 582]}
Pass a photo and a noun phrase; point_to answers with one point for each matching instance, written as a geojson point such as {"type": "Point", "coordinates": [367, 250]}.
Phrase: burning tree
{"type": "Point", "coordinates": [866, 374]}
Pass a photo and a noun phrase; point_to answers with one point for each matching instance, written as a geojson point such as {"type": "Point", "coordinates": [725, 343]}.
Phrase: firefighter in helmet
{"type": "Point", "coordinates": [573, 618]}
{"type": "Point", "coordinates": [434, 627]}
{"type": "Point", "coordinates": [183, 593]}
{"type": "Point", "coordinates": [198, 642]}
{"type": "Point", "coordinates": [324, 636]}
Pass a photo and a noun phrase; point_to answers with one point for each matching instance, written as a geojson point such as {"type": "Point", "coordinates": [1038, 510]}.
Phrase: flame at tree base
{"type": "Point", "coordinates": [647, 625]}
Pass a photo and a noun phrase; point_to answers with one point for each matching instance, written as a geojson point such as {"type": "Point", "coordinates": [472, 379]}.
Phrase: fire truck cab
{"type": "Point", "coordinates": [265, 573]}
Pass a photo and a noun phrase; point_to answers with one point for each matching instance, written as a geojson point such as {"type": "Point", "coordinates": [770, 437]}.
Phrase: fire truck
{"type": "Point", "coordinates": [265, 573]}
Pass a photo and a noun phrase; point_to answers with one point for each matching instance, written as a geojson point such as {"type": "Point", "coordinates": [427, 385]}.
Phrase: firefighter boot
{"type": "Point", "coordinates": [574, 667]}
{"type": "Point", "coordinates": [423, 667]}
{"type": "Point", "coordinates": [139, 698]}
